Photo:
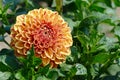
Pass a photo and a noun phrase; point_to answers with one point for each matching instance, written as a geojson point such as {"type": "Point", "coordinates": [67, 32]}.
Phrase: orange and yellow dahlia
{"type": "Point", "coordinates": [47, 31]}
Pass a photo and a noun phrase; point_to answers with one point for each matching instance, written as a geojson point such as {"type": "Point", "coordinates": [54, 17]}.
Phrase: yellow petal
{"type": "Point", "coordinates": [66, 51]}
{"type": "Point", "coordinates": [60, 56]}
{"type": "Point", "coordinates": [49, 53]}
{"type": "Point", "coordinates": [20, 18]}
{"type": "Point", "coordinates": [57, 61]}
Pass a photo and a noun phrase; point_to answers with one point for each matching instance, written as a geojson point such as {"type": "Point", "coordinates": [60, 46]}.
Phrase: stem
{"type": "Point", "coordinates": [89, 76]}
{"type": "Point", "coordinates": [6, 19]}
{"type": "Point", "coordinates": [88, 66]}
{"type": "Point", "coordinates": [33, 78]}
{"type": "Point", "coordinates": [79, 6]}
{"type": "Point", "coordinates": [26, 4]}
{"type": "Point", "coordinates": [59, 4]}
{"type": "Point", "coordinates": [1, 4]}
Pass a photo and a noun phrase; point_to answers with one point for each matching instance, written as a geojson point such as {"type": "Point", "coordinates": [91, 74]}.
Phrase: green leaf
{"type": "Point", "coordinates": [74, 54]}
{"type": "Point", "coordinates": [117, 31]}
{"type": "Point", "coordinates": [84, 40]}
{"type": "Point", "coordinates": [22, 60]}
{"type": "Point", "coordinates": [93, 19]}
{"type": "Point", "coordinates": [109, 78]}
{"type": "Point", "coordinates": [95, 7]}
{"type": "Point", "coordinates": [118, 61]}
{"type": "Point", "coordinates": [32, 60]}
{"type": "Point", "coordinates": [29, 5]}
{"type": "Point", "coordinates": [37, 61]}
{"type": "Point", "coordinates": [53, 75]}
{"type": "Point", "coordinates": [42, 78]}
{"type": "Point", "coordinates": [101, 58]}
{"type": "Point", "coordinates": [7, 57]}
{"type": "Point", "coordinates": [7, 28]}
{"type": "Point", "coordinates": [5, 75]}
{"type": "Point", "coordinates": [44, 70]}
{"type": "Point", "coordinates": [108, 3]}
{"type": "Point", "coordinates": [4, 67]}
{"type": "Point", "coordinates": [6, 7]}
{"type": "Point", "coordinates": [30, 57]}
{"type": "Point", "coordinates": [55, 70]}
{"type": "Point", "coordinates": [20, 11]}
{"type": "Point", "coordinates": [108, 44]}
{"type": "Point", "coordinates": [13, 2]}
{"type": "Point", "coordinates": [82, 5]}
{"type": "Point", "coordinates": [72, 71]}
{"type": "Point", "coordinates": [71, 23]}
{"type": "Point", "coordinates": [113, 69]}
{"type": "Point", "coordinates": [117, 2]}
{"type": "Point", "coordinates": [65, 67]}
{"type": "Point", "coordinates": [19, 76]}
{"type": "Point", "coordinates": [1, 38]}
{"type": "Point", "coordinates": [2, 31]}
{"type": "Point", "coordinates": [81, 70]}
{"type": "Point", "coordinates": [118, 75]}
{"type": "Point", "coordinates": [30, 53]}
{"type": "Point", "coordinates": [89, 21]}
{"type": "Point", "coordinates": [79, 3]}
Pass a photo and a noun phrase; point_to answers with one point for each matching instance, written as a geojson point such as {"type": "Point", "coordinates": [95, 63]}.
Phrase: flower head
{"type": "Point", "coordinates": [47, 31]}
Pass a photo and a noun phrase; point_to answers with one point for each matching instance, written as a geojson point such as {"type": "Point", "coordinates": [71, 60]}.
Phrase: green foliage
{"type": "Point", "coordinates": [95, 54]}
{"type": "Point", "coordinates": [5, 75]}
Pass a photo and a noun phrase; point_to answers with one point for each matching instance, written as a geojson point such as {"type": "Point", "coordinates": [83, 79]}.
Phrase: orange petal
{"type": "Point", "coordinates": [53, 65]}
{"type": "Point", "coordinates": [43, 55]}
{"type": "Point", "coordinates": [45, 61]}
{"type": "Point", "coordinates": [27, 45]}
{"type": "Point", "coordinates": [57, 61]}
{"type": "Point", "coordinates": [53, 58]}
{"type": "Point", "coordinates": [66, 51]}
{"type": "Point", "coordinates": [23, 39]}
{"type": "Point", "coordinates": [60, 56]}
{"type": "Point", "coordinates": [19, 45]}
{"type": "Point", "coordinates": [49, 53]}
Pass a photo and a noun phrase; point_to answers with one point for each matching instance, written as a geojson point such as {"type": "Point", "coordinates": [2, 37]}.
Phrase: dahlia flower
{"type": "Point", "coordinates": [47, 31]}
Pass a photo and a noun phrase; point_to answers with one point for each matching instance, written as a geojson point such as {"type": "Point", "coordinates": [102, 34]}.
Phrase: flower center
{"type": "Point", "coordinates": [44, 36]}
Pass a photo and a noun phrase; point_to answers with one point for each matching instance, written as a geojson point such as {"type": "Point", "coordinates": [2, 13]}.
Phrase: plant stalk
{"type": "Point", "coordinates": [1, 4]}
{"type": "Point", "coordinates": [59, 4]}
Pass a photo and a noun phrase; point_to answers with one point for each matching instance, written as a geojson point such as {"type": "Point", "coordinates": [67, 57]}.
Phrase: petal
{"type": "Point", "coordinates": [53, 58]}
{"type": "Point", "coordinates": [65, 51]}
{"type": "Point", "coordinates": [53, 65]}
{"type": "Point", "coordinates": [57, 61]}
{"type": "Point", "coordinates": [45, 61]}
{"type": "Point", "coordinates": [60, 56]}
{"type": "Point", "coordinates": [23, 39]}
{"type": "Point", "coordinates": [20, 18]}
{"type": "Point", "coordinates": [49, 53]}
{"type": "Point", "coordinates": [43, 55]}
{"type": "Point", "coordinates": [19, 45]}
{"type": "Point", "coordinates": [27, 45]}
